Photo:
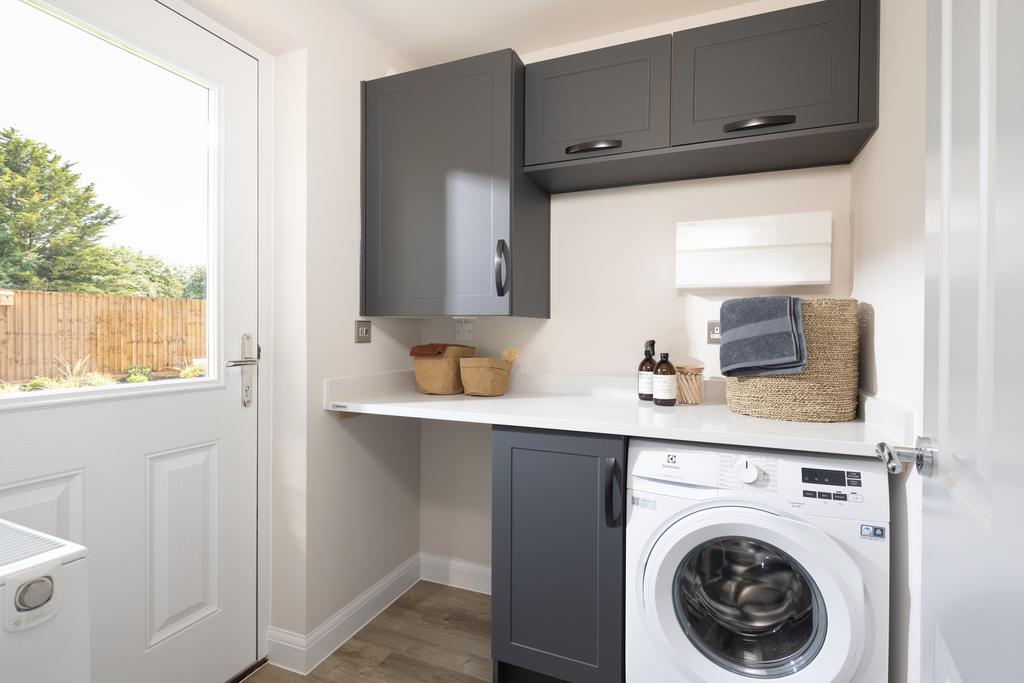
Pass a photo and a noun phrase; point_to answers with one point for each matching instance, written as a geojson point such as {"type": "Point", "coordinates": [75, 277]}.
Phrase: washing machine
{"type": "Point", "coordinates": [747, 564]}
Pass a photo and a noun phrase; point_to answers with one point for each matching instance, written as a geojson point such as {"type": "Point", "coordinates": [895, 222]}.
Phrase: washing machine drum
{"type": "Point", "coordinates": [746, 593]}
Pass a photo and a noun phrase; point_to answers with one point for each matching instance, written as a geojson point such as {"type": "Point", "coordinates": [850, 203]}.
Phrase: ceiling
{"type": "Point", "coordinates": [432, 31]}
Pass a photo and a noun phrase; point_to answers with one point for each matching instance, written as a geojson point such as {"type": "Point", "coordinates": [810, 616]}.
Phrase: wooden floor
{"type": "Point", "coordinates": [432, 633]}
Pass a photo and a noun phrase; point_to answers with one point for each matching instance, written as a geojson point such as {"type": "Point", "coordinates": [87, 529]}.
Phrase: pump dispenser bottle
{"type": "Point", "coordinates": [645, 382]}
{"type": "Point", "coordinates": [664, 382]}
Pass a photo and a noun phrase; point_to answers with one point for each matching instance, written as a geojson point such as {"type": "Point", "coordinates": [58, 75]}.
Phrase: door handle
{"type": "Point", "coordinates": [247, 362]}
{"type": "Point", "coordinates": [592, 146]}
{"type": "Point", "coordinates": [755, 122]}
{"type": "Point", "coordinates": [611, 467]}
{"type": "Point", "coordinates": [501, 259]}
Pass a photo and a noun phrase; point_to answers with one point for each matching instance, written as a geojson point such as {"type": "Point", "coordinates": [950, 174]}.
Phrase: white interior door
{"type": "Point", "coordinates": [973, 546]}
{"type": "Point", "coordinates": [154, 469]}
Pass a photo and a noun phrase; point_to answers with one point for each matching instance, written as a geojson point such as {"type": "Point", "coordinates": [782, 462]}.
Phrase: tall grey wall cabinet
{"type": "Point", "coordinates": [558, 549]}
{"type": "Point", "coordinates": [452, 226]}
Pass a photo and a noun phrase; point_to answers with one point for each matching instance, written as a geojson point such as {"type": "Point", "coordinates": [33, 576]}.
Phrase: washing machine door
{"type": "Point", "coordinates": [738, 593]}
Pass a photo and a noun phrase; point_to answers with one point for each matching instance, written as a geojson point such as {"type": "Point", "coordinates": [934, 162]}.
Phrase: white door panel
{"type": "Point", "coordinates": [973, 546]}
{"type": "Point", "coordinates": [158, 480]}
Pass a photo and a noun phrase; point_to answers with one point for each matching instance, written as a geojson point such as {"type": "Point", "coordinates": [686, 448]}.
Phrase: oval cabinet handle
{"type": "Point", "coordinates": [610, 470]}
{"type": "Point", "coordinates": [501, 263]}
{"type": "Point", "coordinates": [755, 122]}
{"type": "Point", "coordinates": [592, 146]}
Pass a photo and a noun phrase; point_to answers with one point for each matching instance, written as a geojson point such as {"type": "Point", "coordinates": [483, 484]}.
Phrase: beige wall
{"type": "Point", "coordinates": [612, 286]}
{"type": "Point", "coordinates": [888, 195]}
{"type": "Point", "coordinates": [290, 406]}
{"type": "Point", "coordinates": [613, 270]}
{"type": "Point", "coordinates": [351, 498]}
{"type": "Point", "coordinates": [346, 492]}
{"type": "Point", "coordinates": [455, 480]}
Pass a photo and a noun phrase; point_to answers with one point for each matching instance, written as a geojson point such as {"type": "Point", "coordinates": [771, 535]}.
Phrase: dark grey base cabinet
{"type": "Point", "coordinates": [558, 556]}
{"type": "Point", "coordinates": [787, 89]}
{"type": "Point", "coordinates": [451, 224]}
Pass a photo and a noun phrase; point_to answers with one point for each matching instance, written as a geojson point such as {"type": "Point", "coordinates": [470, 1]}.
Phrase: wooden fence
{"type": "Point", "coordinates": [43, 329]}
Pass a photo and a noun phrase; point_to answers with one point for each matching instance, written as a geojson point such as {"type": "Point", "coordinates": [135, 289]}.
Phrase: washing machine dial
{"type": "Point", "coordinates": [747, 471]}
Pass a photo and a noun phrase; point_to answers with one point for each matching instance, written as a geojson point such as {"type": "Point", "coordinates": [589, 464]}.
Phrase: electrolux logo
{"type": "Point", "coordinates": [671, 458]}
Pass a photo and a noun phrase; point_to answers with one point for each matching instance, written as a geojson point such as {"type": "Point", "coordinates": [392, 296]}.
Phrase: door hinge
{"type": "Point", "coordinates": [921, 455]}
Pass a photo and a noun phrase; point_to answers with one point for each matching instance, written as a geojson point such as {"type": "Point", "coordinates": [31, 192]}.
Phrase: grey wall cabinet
{"type": "Point", "coordinates": [779, 90]}
{"type": "Point", "coordinates": [451, 224]}
{"type": "Point", "coordinates": [558, 553]}
{"type": "Point", "coordinates": [798, 68]}
{"type": "Point", "coordinates": [600, 102]}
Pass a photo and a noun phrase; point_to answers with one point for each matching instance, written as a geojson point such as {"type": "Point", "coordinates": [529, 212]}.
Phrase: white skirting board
{"type": "Point", "coordinates": [302, 654]}
{"type": "Point", "coordinates": [449, 571]}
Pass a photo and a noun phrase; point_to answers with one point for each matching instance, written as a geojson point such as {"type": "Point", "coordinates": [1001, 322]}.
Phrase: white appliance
{"type": "Point", "coordinates": [749, 564]}
{"type": "Point", "coordinates": [45, 608]}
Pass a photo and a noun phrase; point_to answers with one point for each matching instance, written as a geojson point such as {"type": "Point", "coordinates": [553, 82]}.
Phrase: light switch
{"type": "Point", "coordinates": [362, 332]}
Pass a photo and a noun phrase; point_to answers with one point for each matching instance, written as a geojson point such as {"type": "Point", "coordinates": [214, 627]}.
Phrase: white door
{"type": "Point", "coordinates": [973, 543]}
{"type": "Point", "coordinates": [136, 443]}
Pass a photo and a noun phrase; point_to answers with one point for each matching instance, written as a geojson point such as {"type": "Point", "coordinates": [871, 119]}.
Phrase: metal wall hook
{"type": "Point", "coordinates": [922, 456]}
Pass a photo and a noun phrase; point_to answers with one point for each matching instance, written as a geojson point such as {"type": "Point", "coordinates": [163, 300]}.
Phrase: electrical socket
{"type": "Point", "coordinates": [714, 332]}
{"type": "Point", "coordinates": [363, 330]}
{"type": "Point", "coordinates": [463, 330]}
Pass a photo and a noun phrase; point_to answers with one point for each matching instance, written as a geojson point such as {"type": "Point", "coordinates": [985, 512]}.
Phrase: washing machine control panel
{"type": "Point", "coordinates": [848, 488]}
{"type": "Point", "coordinates": [820, 484]}
{"type": "Point", "coordinates": [830, 484]}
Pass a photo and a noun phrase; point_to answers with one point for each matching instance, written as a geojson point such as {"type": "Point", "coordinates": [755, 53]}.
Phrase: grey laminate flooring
{"type": "Point", "coordinates": [432, 633]}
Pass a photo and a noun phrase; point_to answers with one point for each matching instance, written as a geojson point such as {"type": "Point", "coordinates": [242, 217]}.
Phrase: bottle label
{"type": "Point", "coordinates": [665, 387]}
{"type": "Point", "coordinates": [646, 383]}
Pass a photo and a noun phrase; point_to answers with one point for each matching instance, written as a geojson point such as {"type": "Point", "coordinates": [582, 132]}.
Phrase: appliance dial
{"type": "Point", "coordinates": [33, 594]}
{"type": "Point", "coordinates": [746, 470]}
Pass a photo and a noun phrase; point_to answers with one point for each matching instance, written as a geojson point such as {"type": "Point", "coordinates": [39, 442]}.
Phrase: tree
{"type": "Point", "coordinates": [195, 282]}
{"type": "Point", "coordinates": [119, 270]}
{"type": "Point", "coordinates": [50, 222]}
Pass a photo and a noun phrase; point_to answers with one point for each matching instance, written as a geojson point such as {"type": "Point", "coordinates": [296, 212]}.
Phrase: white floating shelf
{"type": "Point", "coordinates": [760, 251]}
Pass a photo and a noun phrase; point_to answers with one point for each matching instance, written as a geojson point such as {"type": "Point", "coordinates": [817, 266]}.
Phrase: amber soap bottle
{"type": "Point", "coordinates": [664, 382]}
{"type": "Point", "coordinates": [645, 381]}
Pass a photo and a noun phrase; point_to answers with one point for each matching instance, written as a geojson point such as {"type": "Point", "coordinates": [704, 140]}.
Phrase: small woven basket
{"type": "Point", "coordinates": [826, 391]}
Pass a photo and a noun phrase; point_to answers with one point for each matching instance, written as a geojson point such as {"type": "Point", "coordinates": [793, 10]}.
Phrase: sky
{"type": "Point", "coordinates": [140, 133]}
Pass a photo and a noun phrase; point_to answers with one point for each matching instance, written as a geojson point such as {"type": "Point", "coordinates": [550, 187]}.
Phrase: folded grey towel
{"type": "Point", "coordinates": [762, 336]}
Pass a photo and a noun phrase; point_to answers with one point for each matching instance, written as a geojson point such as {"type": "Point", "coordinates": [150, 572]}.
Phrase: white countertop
{"type": "Point", "coordinates": [597, 405]}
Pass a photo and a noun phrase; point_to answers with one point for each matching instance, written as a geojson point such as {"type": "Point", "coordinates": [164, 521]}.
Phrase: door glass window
{"type": "Point", "coordinates": [107, 200]}
{"type": "Point", "coordinates": [749, 607]}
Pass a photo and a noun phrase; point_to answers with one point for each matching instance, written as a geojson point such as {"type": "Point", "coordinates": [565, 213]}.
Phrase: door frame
{"type": "Point", "coordinates": [265, 298]}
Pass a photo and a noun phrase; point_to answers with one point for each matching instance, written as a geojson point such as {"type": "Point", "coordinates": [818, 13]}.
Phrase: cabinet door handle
{"type": "Point", "coordinates": [592, 146]}
{"type": "Point", "coordinates": [755, 122]}
{"type": "Point", "coordinates": [610, 470]}
{"type": "Point", "coordinates": [501, 259]}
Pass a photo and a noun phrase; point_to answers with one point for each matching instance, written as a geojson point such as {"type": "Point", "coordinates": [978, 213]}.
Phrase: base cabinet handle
{"type": "Point", "coordinates": [611, 468]}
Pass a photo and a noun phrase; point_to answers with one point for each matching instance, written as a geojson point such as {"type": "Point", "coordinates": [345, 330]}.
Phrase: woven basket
{"type": "Point", "coordinates": [827, 390]}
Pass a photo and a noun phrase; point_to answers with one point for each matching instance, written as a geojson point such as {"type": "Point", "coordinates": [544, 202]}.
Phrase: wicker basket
{"type": "Point", "coordinates": [827, 390]}
{"type": "Point", "coordinates": [485, 376]}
